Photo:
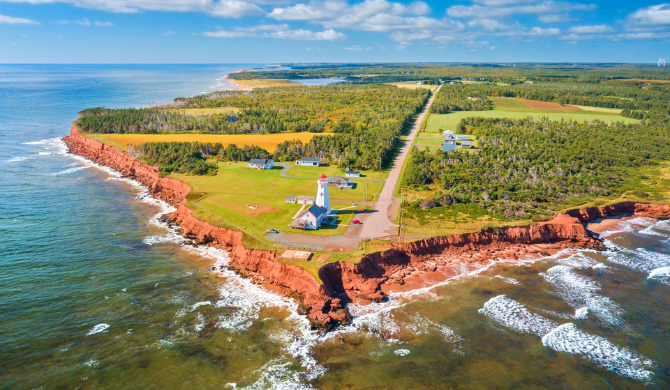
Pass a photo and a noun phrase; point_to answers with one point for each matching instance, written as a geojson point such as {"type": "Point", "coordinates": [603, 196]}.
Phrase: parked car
{"type": "Point", "coordinates": [272, 231]}
{"type": "Point", "coordinates": [356, 222]}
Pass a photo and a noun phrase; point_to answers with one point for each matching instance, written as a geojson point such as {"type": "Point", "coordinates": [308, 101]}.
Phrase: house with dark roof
{"type": "Point", "coordinates": [340, 182]}
{"type": "Point", "coordinates": [309, 161]}
{"type": "Point", "coordinates": [349, 173]}
{"type": "Point", "coordinates": [261, 163]}
{"type": "Point", "coordinates": [311, 219]}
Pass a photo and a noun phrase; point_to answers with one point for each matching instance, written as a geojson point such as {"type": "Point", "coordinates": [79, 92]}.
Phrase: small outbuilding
{"type": "Point", "coordinates": [261, 163]}
{"type": "Point", "coordinates": [309, 162]}
{"type": "Point", "coordinates": [291, 199]}
{"type": "Point", "coordinates": [311, 219]}
{"type": "Point", "coordinates": [349, 173]}
{"type": "Point", "coordinates": [466, 144]}
{"type": "Point", "coordinates": [304, 199]}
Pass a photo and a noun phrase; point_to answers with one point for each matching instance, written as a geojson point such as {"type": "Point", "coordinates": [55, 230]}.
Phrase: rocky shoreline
{"type": "Point", "coordinates": [401, 268]}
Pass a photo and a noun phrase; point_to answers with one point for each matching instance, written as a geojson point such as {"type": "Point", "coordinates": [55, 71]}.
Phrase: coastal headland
{"type": "Point", "coordinates": [403, 267]}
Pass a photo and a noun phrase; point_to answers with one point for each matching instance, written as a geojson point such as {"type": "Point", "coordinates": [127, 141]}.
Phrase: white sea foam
{"type": "Point", "coordinates": [92, 363]}
{"type": "Point", "coordinates": [16, 159]}
{"type": "Point", "coordinates": [514, 315]}
{"type": "Point", "coordinates": [507, 279]}
{"type": "Point", "coordinates": [98, 329]}
{"type": "Point", "coordinates": [661, 274]}
{"type": "Point", "coordinates": [578, 260]}
{"type": "Point", "coordinates": [641, 259]}
{"type": "Point", "coordinates": [70, 170]}
{"type": "Point", "coordinates": [633, 225]}
{"type": "Point", "coordinates": [203, 303]}
{"type": "Point", "coordinates": [401, 352]}
{"type": "Point", "coordinates": [581, 292]}
{"type": "Point", "coordinates": [569, 339]}
{"type": "Point", "coordinates": [581, 313]}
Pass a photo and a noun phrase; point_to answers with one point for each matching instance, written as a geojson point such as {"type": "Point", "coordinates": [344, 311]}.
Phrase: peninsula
{"type": "Point", "coordinates": [407, 206]}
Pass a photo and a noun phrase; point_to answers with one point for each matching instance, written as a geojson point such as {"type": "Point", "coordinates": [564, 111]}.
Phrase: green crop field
{"type": "Point", "coordinates": [512, 108]}
{"type": "Point", "coordinates": [228, 195]}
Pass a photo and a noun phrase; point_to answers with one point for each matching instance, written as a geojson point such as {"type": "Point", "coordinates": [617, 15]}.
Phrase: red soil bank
{"type": "Point", "coordinates": [376, 273]}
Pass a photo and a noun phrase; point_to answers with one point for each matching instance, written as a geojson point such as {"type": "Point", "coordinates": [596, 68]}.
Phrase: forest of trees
{"type": "Point", "coordinates": [457, 97]}
{"type": "Point", "coordinates": [364, 122]}
{"type": "Point", "coordinates": [524, 166]}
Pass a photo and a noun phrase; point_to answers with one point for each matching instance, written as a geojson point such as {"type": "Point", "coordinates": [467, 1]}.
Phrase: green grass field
{"type": "Point", "coordinates": [226, 196]}
{"type": "Point", "coordinates": [512, 108]}
{"type": "Point", "coordinates": [414, 85]}
{"type": "Point", "coordinates": [331, 170]}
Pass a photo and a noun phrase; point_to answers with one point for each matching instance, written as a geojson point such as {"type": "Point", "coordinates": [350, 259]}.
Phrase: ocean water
{"type": "Point", "coordinates": [96, 294]}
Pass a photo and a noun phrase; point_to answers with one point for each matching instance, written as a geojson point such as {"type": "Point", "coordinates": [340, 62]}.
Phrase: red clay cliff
{"type": "Point", "coordinates": [376, 273]}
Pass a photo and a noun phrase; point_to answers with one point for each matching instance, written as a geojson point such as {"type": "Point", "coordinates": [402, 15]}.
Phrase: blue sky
{"type": "Point", "coordinates": [265, 31]}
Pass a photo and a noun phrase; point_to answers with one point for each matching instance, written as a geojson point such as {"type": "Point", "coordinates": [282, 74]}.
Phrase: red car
{"type": "Point", "coordinates": [356, 222]}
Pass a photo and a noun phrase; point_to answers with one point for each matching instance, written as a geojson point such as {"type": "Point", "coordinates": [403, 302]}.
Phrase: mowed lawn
{"type": "Point", "coordinates": [266, 141]}
{"type": "Point", "coordinates": [235, 186]}
{"type": "Point", "coordinates": [332, 170]}
{"type": "Point", "coordinates": [515, 109]}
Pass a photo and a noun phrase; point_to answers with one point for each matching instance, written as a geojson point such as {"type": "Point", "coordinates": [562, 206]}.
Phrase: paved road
{"type": "Point", "coordinates": [286, 166]}
{"type": "Point", "coordinates": [378, 223]}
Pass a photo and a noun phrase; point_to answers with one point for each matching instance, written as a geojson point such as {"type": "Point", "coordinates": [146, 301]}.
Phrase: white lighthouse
{"type": "Point", "coordinates": [322, 197]}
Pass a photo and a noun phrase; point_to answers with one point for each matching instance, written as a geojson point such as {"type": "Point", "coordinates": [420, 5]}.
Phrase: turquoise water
{"type": "Point", "coordinates": [96, 294]}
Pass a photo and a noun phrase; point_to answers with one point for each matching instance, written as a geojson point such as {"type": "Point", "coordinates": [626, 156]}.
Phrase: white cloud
{"type": "Point", "coordinates": [278, 31]}
{"type": "Point", "coordinates": [600, 28]}
{"type": "Point", "coordinates": [652, 16]}
{"type": "Point", "coordinates": [547, 11]}
{"type": "Point", "coordinates": [12, 20]}
{"type": "Point", "coordinates": [84, 22]}
{"type": "Point", "coordinates": [103, 24]}
{"type": "Point", "coordinates": [168, 33]}
{"type": "Point", "coordinates": [222, 8]}
{"type": "Point", "coordinates": [357, 48]}
{"type": "Point", "coordinates": [328, 35]}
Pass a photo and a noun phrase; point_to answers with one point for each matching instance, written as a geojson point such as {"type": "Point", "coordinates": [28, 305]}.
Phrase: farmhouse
{"type": "Point", "coordinates": [449, 142]}
{"type": "Point", "coordinates": [349, 173]}
{"type": "Point", "coordinates": [261, 163]}
{"type": "Point", "coordinates": [311, 219]}
{"type": "Point", "coordinates": [340, 183]}
{"type": "Point", "coordinates": [309, 161]}
{"type": "Point", "coordinates": [305, 199]}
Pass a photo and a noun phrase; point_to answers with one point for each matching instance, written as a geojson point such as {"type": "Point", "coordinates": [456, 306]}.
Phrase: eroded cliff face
{"type": "Point", "coordinates": [376, 273]}
{"type": "Point", "coordinates": [263, 266]}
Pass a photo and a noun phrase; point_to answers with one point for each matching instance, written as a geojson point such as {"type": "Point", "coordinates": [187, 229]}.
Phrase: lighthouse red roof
{"type": "Point", "coordinates": [322, 176]}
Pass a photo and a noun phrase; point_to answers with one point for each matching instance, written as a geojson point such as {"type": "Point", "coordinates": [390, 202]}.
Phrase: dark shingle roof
{"type": "Point", "coordinates": [317, 210]}
{"type": "Point", "coordinates": [260, 161]}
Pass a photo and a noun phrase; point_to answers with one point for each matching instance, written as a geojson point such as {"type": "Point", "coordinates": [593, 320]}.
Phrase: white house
{"type": "Point", "coordinates": [311, 219]}
{"type": "Point", "coordinates": [449, 142]}
{"type": "Point", "coordinates": [349, 173]}
{"type": "Point", "coordinates": [305, 199]}
{"type": "Point", "coordinates": [309, 161]}
{"type": "Point", "coordinates": [261, 163]}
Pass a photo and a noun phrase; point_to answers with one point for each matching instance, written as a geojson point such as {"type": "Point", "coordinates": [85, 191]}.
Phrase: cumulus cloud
{"type": "Point", "coordinates": [278, 31]}
{"type": "Point", "coordinates": [13, 20]}
{"type": "Point", "coordinates": [221, 8]}
{"type": "Point", "coordinates": [601, 28]}
{"type": "Point", "coordinates": [546, 11]}
{"type": "Point", "coordinates": [84, 22]}
{"type": "Point", "coordinates": [103, 24]}
{"type": "Point", "coordinates": [357, 48]}
{"type": "Point", "coordinates": [656, 15]}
